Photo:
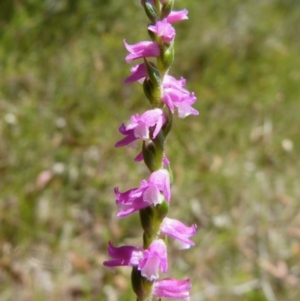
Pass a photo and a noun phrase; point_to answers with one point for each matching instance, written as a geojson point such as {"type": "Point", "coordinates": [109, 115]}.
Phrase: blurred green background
{"type": "Point", "coordinates": [236, 166]}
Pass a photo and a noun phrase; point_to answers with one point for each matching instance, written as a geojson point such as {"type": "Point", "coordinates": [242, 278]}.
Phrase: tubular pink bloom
{"type": "Point", "coordinates": [184, 107]}
{"type": "Point", "coordinates": [174, 95]}
{"type": "Point", "coordinates": [151, 192]}
{"type": "Point", "coordinates": [139, 127]}
{"type": "Point", "coordinates": [148, 261]}
{"type": "Point", "coordinates": [154, 258]}
{"type": "Point", "coordinates": [161, 180]}
{"type": "Point", "coordinates": [164, 30]}
{"type": "Point", "coordinates": [179, 231]}
{"type": "Point", "coordinates": [176, 16]}
{"type": "Point", "coordinates": [171, 288]}
{"type": "Point", "coordinates": [152, 118]}
{"type": "Point", "coordinates": [130, 201]}
{"type": "Point", "coordinates": [141, 49]}
{"type": "Point", "coordinates": [123, 256]}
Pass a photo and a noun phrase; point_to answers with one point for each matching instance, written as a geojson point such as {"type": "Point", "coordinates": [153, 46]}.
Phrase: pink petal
{"type": "Point", "coordinates": [142, 49]}
{"type": "Point", "coordinates": [176, 16]}
{"type": "Point", "coordinates": [138, 73]}
{"type": "Point", "coordinates": [123, 256]}
{"type": "Point", "coordinates": [152, 196]}
{"type": "Point", "coordinates": [178, 230]}
{"type": "Point", "coordinates": [154, 258]}
{"type": "Point", "coordinates": [161, 180]}
{"type": "Point", "coordinates": [171, 288]}
{"type": "Point", "coordinates": [164, 30]}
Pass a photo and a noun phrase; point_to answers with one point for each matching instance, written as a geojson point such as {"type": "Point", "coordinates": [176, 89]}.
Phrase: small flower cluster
{"type": "Point", "coordinates": [152, 198]}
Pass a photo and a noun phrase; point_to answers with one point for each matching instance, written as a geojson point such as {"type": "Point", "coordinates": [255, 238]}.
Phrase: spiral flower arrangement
{"type": "Point", "coordinates": [152, 198]}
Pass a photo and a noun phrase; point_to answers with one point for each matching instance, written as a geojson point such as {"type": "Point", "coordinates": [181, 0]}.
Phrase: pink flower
{"type": "Point", "coordinates": [179, 231]}
{"type": "Point", "coordinates": [151, 192]}
{"type": "Point", "coordinates": [141, 49]}
{"type": "Point", "coordinates": [171, 288]}
{"type": "Point", "coordinates": [141, 126]}
{"type": "Point", "coordinates": [129, 139]}
{"type": "Point", "coordinates": [164, 30]}
{"type": "Point", "coordinates": [176, 16]}
{"type": "Point", "coordinates": [174, 95]}
{"type": "Point", "coordinates": [148, 261]}
{"type": "Point", "coordinates": [123, 256]}
{"type": "Point", "coordinates": [153, 259]}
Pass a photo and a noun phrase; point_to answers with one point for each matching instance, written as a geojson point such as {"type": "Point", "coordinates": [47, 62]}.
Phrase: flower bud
{"type": "Point", "coordinates": [166, 58]}
{"type": "Point", "coordinates": [167, 6]}
{"type": "Point", "coordinates": [153, 74]}
{"type": "Point", "coordinates": [162, 210]}
{"type": "Point", "coordinates": [153, 156]}
{"type": "Point", "coordinates": [148, 90]}
{"type": "Point", "coordinates": [168, 124]}
{"type": "Point", "coordinates": [150, 11]}
{"type": "Point", "coordinates": [153, 85]}
{"type": "Point", "coordinates": [153, 36]}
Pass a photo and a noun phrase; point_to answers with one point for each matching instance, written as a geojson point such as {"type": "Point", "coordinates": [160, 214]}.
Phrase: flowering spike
{"type": "Point", "coordinates": [152, 197]}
